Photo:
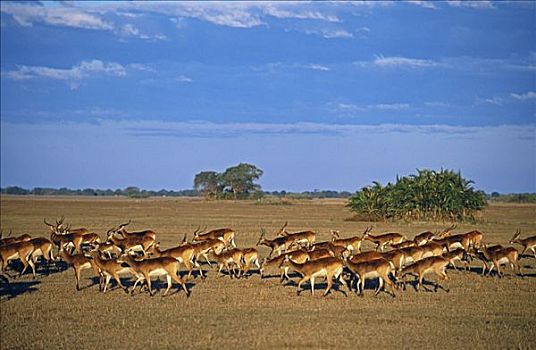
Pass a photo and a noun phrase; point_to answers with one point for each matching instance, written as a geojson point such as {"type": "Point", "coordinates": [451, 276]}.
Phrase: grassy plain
{"type": "Point", "coordinates": [48, 312]}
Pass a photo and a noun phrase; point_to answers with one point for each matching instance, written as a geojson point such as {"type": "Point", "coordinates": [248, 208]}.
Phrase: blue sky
{"type": "Point", "coordinates": [318, 95]}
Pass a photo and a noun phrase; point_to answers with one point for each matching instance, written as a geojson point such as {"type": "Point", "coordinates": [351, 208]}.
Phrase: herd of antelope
{"type": "Point", "coordinates": [139, 255]}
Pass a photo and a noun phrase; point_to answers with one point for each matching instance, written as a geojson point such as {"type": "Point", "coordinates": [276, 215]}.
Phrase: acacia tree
{"type": "Point", "coordinates": [240, 179]}
{"type": "Point", "coordinates": [207, 182]}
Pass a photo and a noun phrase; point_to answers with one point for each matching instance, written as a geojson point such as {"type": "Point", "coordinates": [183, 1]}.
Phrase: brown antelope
{"type": "Point", "coordinates": [79, 262]}
{"type": "Point", "coordinates": [278, 244]}
{"type": "Point", "coordinates": [231, 258]}
{"type": "Point", "coordinates": [202, 248]}
{"type": "Point", "coordinates": [412, 254]}
{"type": "Point", "coordinates": [42, 247]}
{"type": "Point", "coordinates": [455, 241]}
{"type": "Point", "coordinates": [404, 244]}
{"type": "Point", "coordinates": [321, 253]}
{"type": "Point", "coordinates": [428, 236]}
{"type": "Point", "coordinates": [397, 258]}
{"type": "Point", "coordinates": [251, 255]}
{"type": "Point", "coordinates": [475, 237]}
{"type": "Point", "coordinates": [299, 238]}
{"type": "Point", "coordinates": [434, 264]}
{"type": "Point", "coordinates": [432, 249]}
{"type": "Point", "coordinates": [298, 256]}
{"type": "Point", "coordinates": [378, 268]}
{"type": "Point", "coordinates": [120, 230]}
{"type": "Point", "coordinates": [527, 243]}
{"type": "Point", "coordinates": [109, 250]}
{"type": "Point", "coordinates": [184, 254]}
{"type": "Point", "coordinates": [8, 240]}
{"type": "Point", "coordinates": [109, 268]}
{"type": "Point", "coordinates": [457, 255]}
{"type": "Point", "coordinates": [326, 267]}
{"type": "Point", "coordinates": [133, 243]}
{"type": "Point", "coordinates": [382, 240]}
{"type": "Point", "coordinates": [366, 256]}
{"type": "Point", "coordinates": [162, 266]}
{"type": "Point", "coordinates": [353, 244]}
{"type": "Point", "coordinates": [500, 257]}
{"type": "Point", "coordinates": [63, 237]}
{"type": "Point", "coordinates": [478, 254]}
{"type": "Point", "coordinates": [18, 250]}
{"type": "Point", "coordinates": [226, 235]}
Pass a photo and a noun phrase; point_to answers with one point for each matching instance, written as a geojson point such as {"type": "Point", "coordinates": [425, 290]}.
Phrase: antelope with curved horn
{"type": "Point", "coordinates": [302, 237]}
{"type": "Point", "coordinates": [434, 264]}
{"type": "Point", "coordinates": [133, 243]}
{"type": "Point", "coordinates": [329, 268]}
{"type": "Point", "coordinates": [9, 240]}
{"type": "Point", "coordinates": [527, 243]}
{"type": "Point", "coordinates": [185, 254]}
{"type": "Point", "coordinates": [278, 244]}
{"type": "Point", "coordinates": [63, 237]}
{"type": "Point", "coordinates": [230, 259]}
{"type": "Point", "coordinates": [298, 256]}
{"type": "Point", "coordinates": [225, 235]}
{"type": "Point", "coordinates": [382, 240]}
{"type": "Point", "coordinates": [479, 255]}
{"type": "Point", "coordinates": [110, 268]}
{"type": "Point", "coordinates": [378, 268]}
{"type": "Point", "coordinates": [120, 230]}
{"type": "Point", "coordinates": [162, 266]}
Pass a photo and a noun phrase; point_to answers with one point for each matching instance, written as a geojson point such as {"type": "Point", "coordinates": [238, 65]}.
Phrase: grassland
{"type": "Point", "coordinates": [480, 312]}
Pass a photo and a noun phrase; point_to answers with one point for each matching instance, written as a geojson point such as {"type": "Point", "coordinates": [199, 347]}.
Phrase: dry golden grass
{"type": "Point", "coordinates": [482, 312]}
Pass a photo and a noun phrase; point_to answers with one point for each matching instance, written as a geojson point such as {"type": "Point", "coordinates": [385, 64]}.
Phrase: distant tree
{"type": "Point", "coordinates": [240, 179]}
{"type": "Point", "coordinates": [16, 190]}
{"type": "Point", "coordinates": [208, 183]}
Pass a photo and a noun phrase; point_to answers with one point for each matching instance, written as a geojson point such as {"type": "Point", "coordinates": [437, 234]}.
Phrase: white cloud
{"type": "Point", "coordinates": [274, 10]}
{"type": "Point", "coordinates": [422, 3]}
{"type": "Point", "coordinates": [336, 33]}
{"type": "Point", "coordinates": [531, 95]}
{"type": "Point", "coordinates": [183, 79]}
{"type": "Point", "coordinates": [480, 4]}
{"type": "Point", "coordinates": [352, 108]}
{"type": "Point", "coordinates": [317, 67]}
{"type": "Point", "coordinates": [397, 61]}
{"type": "Point", "coordinates": [73, 75]}
{"type": "Point", "coordinates": [498, 101]}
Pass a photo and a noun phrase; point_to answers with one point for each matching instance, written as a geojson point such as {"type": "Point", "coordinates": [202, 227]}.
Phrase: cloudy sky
{"type": "Point", "coordinates": [318, 95]}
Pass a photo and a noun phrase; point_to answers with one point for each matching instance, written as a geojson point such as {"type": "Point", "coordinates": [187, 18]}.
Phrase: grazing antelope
{"type": "Point", "coordinates": [302, 237]}
{"type": "Point", "coordinates": [351, 243]}
{"type": "Point", "coordinates": [382, 240]}
{"type": "Point", "coordinates": [278, 244]}
{"type": "Point", "coordinates": [231, 258]}
{"type": "Point", "coordinates": [62, 237]}
{"type": "Point", "coordinates": [434, 264]}
{"type": "Point", "coordinates": [109, 268]}
{"type": "Point", "coordinates": [120, 230]}
{"type": "Point", "coordinates": [457, 255]}
{"type": "Point", "coordinates": [500, 257]}
{"type": "Point", "coordinates": [527, 243]}
{"type": "Point", "coordinates": [162, 266]}
{"type": "Point", "coordinates": [378, 268]}
{"type": "Point", "coordinates": [18, 250]}
{"type": "Point", "coordinates": [79, 262]}
{"type": "Point", "coordinates": [184, 254]}
{"type": "Point", "coordinates": [326, 267]}
{"type": "Point", "coordinates": [298, 256]}
{"type": "Point", "coordinates": [226, 235]}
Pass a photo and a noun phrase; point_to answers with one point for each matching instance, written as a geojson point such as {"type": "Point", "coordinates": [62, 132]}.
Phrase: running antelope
{"type": "Point", "coordinates": [18, 250]}
{"type": "Point", "coordinates": [162, 266]}
{"type": "Point", "coordinates": [109, 250]}
{"type": "Point", "coordinates": [428, 236]}
{"type": "Point", "coordinates": [299, 238]}
{"type": "Point", "coordinates": [434, 264]}
{"type": "Point", "coordinates": [133, 243]}
{"type": "Point", "coordinates": [251, 255]}
{"type": "Point", "coordinates": [457, 255]}
{"type": "Point", "coordinates": [184, 254]}
{"type": "Point", "coordinates": [377, 268]}
{"type": "Point", "coordinates": [500, 257]}
{"type": "Point", "coordinates": [382, 240]}
{"type": "Point", "coordinates": [79, 262]}
{"type": "Point", "coordinates": [226, 235]}
{"type": "Point", "coordinates": [110, 268]}
{"type": "Point", "coordinates": [42, 247]}
{"type": "Point", "coordinates": [527, 243]}
{"type": "Point", "coordinates": [326, 267]}
{"type": "Point", "coordinates": [298, 256]}
{"type": "Point", "coordinates": [353, 244]}
{"type": "Point", "coordinates": [478, 254]}
{"type": "Point", "coordinates": [120, 230]}
{"type": "Point", "coordinates": [202, 248]}
{"type": "Point", "coordinates": [278, 244]}
{"type": "Point", "coordinates": [231, 258]}
{"type": "Point", "coordinates": [62, 237]}
{"type": "Point", "coordinates": [9, 240]}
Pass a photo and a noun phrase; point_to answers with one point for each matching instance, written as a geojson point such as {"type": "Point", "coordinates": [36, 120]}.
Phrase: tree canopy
{"type": "Point", "coordinates": [238, 180]}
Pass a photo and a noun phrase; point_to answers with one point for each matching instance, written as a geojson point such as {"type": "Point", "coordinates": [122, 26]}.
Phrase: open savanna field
{"type": "Point", "coordinates": [48, 312]}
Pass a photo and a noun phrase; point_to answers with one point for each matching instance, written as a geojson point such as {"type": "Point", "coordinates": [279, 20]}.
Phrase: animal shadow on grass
{"type": "Point", "coordinates": [14, 289]}
{"type": "Point", "coordinates": [158, 286]}
{"type": "Point", "coordinates": [425, 283]}
{"type": "Point", "coordinates": [320, 287]}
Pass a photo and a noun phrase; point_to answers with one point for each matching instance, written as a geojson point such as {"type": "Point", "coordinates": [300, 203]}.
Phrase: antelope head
{"type": "Point", "coordinates": [516, 236]}
{"type": "Point", "coordinates": [283, 230]}
{"type": "Point", "coordinates": [122, 226]}
{"type": "Point", "coordinates": [446, 232]}
{"type": "Point", "coordinates": [334, 234]}
{"type": "Point", "coordinates": [366, 232]}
